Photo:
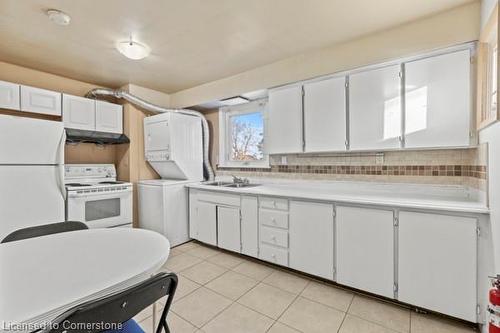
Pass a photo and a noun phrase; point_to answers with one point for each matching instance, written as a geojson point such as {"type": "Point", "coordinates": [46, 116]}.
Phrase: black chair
{"type": "Point", "coordinates": [43, 230]}
{"type": "Point", "coordinates": [119, 308]}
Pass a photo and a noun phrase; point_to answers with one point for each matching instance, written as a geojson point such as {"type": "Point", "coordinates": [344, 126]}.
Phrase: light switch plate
{"type": "Point", "coordinates": [379, 158]}
{"type": "Point", "coordinates": [284, 160]}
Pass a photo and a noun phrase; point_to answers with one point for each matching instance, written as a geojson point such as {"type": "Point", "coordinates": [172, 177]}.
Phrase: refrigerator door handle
{"type": "Point", "coordinates": [60, 164]}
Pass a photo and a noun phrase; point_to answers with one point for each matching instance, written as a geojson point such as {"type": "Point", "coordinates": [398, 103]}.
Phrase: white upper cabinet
{"type": "Point", "coordinates": [91, 115]}
{"type": "Point", "coordinates": [325, 115]}
{"type": "Point", "coordinates": [285, 120]}
{"type": "Point", "coordinates": [109, 117]}
{"type": "Point", "coordinates": [9, 96]}
{"type": "Point", "coordinates": [78, 112]}
{"type": "Point", "coordinates": [375, 109]}
{"type": "Point", "coordinates": [229, 228]}
{"type": "Point", "coordinates": [40, 101]}
{"type": "Point", "coordinates": [438, 101]}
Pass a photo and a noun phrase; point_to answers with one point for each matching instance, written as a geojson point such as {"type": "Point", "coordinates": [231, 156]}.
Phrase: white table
{"type": "Point", "coordinates": [41, 278]}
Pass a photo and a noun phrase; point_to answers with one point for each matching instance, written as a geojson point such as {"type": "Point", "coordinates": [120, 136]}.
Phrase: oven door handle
{"type": "Point", "coordinates": [60, 165]}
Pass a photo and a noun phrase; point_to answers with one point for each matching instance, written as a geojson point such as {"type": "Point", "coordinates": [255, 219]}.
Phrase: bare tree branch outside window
{"type": "Point", "coordinates": [247, 137]}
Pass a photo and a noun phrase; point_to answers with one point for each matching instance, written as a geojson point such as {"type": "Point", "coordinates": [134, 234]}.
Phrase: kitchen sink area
{"type": "Point", "coordinates": [231, 184]}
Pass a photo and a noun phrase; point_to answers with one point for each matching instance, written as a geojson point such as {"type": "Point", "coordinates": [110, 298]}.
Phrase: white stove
{"type": "Point", "coordinates": [95, 197]}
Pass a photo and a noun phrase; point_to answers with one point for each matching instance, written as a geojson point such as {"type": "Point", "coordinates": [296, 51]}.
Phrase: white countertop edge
{"type": "Point", "coordinates": [476, 208]}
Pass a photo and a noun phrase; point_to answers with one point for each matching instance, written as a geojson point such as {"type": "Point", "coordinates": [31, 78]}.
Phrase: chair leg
{"type": "Point", "coordinates": [163, 319]}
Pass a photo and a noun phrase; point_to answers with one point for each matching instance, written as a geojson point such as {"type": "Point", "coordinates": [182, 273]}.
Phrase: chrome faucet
{"type": "Point", "coordinates": [239, 180]}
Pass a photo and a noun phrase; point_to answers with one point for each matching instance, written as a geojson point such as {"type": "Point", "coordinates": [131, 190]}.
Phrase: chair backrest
{"type": "Point", "coordinates": [118, 308]}
{"type": "Point", "coordinates": [45, 229]}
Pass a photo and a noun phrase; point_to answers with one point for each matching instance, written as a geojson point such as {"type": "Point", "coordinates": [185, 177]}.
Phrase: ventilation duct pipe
{"type": "Point", "coordinates": [159, 109]}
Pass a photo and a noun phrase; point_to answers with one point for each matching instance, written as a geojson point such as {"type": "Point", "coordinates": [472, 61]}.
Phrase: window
{"type": "Point", "coordinates": [493, 81]}
{"type": "Point", "coordinates": [242, 135]}
{"type": "Point", "coordinates": [487, 91]}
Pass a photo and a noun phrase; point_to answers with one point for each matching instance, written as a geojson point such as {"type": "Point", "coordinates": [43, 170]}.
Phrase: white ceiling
{"type": "Point", "coordinates": [192, 41]}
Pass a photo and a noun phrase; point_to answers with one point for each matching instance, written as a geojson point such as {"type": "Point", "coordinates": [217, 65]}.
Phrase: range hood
{"type": "Point", "coordinates": [75, 135]}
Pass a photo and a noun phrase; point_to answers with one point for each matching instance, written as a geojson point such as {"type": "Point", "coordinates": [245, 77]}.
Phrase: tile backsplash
{"type": "Point", "coordinates": [447, 166]}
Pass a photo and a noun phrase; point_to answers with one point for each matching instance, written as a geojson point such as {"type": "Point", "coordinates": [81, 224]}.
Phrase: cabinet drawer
{"type": "Point", "coordinates": [273, 218]}
{"type": "Point", "coordinates": [274, 236]}
{"type": "Point", "coordinates": [273, 254]}
{"type": "Point", "coordinates": [273, 203]}
{"type": "Point", "coordinates": [219, 198]}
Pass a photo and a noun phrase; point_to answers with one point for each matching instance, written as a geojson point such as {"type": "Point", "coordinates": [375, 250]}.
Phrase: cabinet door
{"type": "Point", "coordinates": [375, 109]}
{"type": "Point", "coordinates": [249, 226]}
{"type": "Point", "coordinates": [437, 263]}
{"type": "Point", "coordinates": [193, 214]}
{"type": "Point", "coordinates": [228, 228]}
{"type": "Point", "coordinates": [438, 101]}
{"type": "Point", "coordinates": [206, 220]}
{"type": "Point", "coordinates": [311, 238]}
{"type": "Point", "coordinates": [284, 133]}
{"type": "Point", "coordinates": [40, 101]}
{"type": "Point", "coordinates": [108, 117]}
{"type": "Point", "coordinates": [9, 96]}
{"type": "Point", "coordinates": [365, 249]}
{"type": "Point", "coordinates": [325, 115]}
{"type": "Point", "coordinates": [78, 112]}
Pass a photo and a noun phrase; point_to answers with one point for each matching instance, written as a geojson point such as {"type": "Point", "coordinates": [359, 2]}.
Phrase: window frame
{"type": "Point", "coordinates": [225, 114]}
{"type": "Point", "coordinates": [488, 42]}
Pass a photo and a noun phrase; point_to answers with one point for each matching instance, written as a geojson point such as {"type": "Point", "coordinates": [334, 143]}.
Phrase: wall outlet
{"type": "Point", "coordinates": [379, 158]}
{"type": "Point", "coordinates": [284, 160]}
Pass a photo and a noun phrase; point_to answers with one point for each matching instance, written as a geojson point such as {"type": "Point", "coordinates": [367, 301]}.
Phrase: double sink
{"type": "Point", "coordinates": [231, 184]}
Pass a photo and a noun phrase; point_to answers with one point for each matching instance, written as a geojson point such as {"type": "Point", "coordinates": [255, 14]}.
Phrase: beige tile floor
{"type": "Point", "coordinates": [220, 292]}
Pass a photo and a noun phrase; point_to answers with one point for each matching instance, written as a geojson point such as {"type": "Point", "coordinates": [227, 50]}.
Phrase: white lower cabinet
{"type": "Point", "coordinates": [312, 238]}
{"type": "Point", "coordinates": [426, 259]}
{"type": "Point", "coordinates": [206, 220]}
{"type": "Point", "coordinates": [228, 228]}
{"type": "Point", "coordinates": [365, 249]}
{"type": "Point", "coordinates": [249, 225]}
{"type": "Point", "coordinates": [437, 263]}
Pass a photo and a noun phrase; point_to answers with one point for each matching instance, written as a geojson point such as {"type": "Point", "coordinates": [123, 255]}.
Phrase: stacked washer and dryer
{"type": "Point", "coordinates": [173, 145]}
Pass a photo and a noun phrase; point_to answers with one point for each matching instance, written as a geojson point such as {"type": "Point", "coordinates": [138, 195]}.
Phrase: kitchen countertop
{"type": "Point", "coordinates": [451, 198]}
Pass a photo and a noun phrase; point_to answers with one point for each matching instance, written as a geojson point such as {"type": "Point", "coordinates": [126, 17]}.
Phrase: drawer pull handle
{"type": "Point", "coordinates": [273, 256]}
{"type": "Point", "coordinates": [273, 220]}
{"type": "Point", "coordinates": [274, 203]}
{"type": "Point", "coordinates": [274, 238]}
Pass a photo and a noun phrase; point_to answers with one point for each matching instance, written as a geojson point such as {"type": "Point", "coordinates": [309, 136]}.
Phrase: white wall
{"type": "Point", "coordinates": [459, 25]}
{"type": "Point", "coordinates": [486, 8]}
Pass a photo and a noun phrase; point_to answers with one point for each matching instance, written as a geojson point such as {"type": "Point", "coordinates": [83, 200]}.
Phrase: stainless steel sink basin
{"type": "Point", "coordinates": [241, 185]}
{"type": "Point", "coordinates": [232, 185]}
{"type": "Point", "coordinates": [218, 183]}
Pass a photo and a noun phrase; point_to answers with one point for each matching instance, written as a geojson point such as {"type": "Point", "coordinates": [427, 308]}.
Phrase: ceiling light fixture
{"type": "Point", "coordinates": [234, 100]}
{"type": "Point", "coordinates": [58, 17]}
{"type": "Point", "coordinates": [133, 50]}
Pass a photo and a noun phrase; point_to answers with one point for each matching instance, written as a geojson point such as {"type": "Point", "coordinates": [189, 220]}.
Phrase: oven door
{"type": "Point", "coordinates": [100, 209]}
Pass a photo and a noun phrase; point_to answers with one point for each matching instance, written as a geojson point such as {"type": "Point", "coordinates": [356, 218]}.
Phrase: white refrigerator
{"type": "Point", "coordinates": [32, 188]}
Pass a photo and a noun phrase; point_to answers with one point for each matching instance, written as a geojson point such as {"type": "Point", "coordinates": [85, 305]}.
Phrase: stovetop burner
{"type": "Point", "coordinates": [111, 182]}
{"type": "Point", "coordinates": [77, 184]}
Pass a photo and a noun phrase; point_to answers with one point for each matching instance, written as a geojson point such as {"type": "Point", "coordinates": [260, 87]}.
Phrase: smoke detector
{"type": "Point", "coordinates": [58, 17]}
{"type": "Point", "coordinates": [133, 50]}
